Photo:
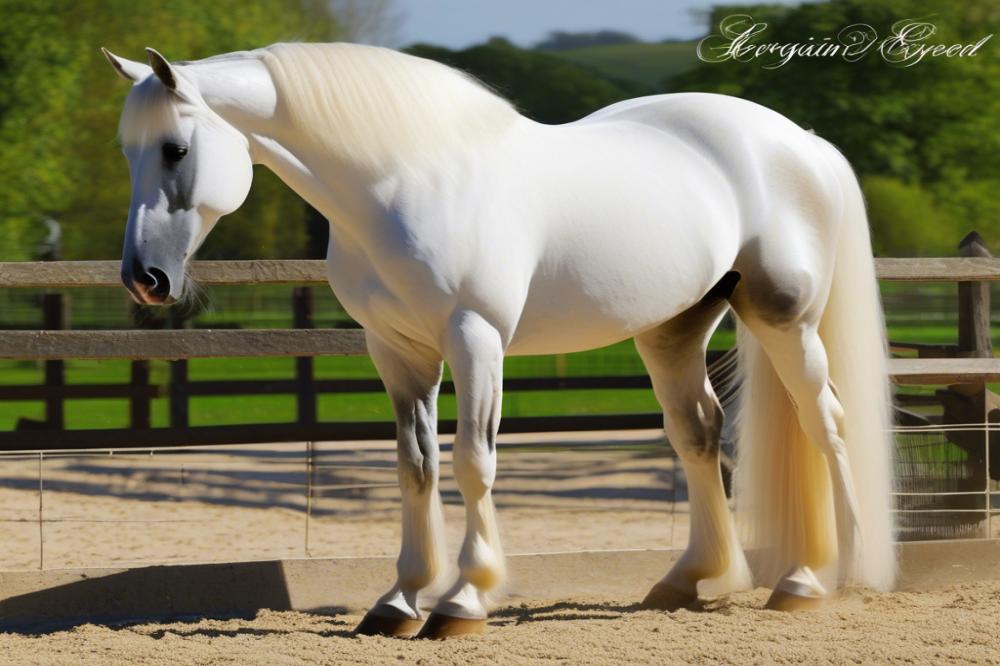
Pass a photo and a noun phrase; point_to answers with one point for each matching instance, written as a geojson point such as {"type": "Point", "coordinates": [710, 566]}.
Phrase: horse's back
{"type": "Point", "coordinates": [660, 196]}
{"type": "Point", "coordinates": [767, 158]}
{"type": "Point", "coordinates": [789, 184]}
{"type": "Point", "coordinates": [636, 226]}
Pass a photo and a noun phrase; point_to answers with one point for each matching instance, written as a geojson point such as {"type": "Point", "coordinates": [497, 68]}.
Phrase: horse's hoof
{"type": "Point", "coordinates": [388, 621]}
{"type": "Point", "coordinates": [440, 626]}
{"type": "Point", "coordinates": [786, 601]}
{"type": "Point", "coordinates": [665, 596]}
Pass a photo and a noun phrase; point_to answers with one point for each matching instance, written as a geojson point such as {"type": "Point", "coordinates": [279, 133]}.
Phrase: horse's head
{"type": "Point", "coordinates": [188, 168]}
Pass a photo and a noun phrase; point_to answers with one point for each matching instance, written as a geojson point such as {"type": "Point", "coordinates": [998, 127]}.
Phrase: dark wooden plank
{"type": "Point", "coordinates": [569, 383]}
{"type": "Point", "coordinates": [78, 391]}
{"type": "Point", "coordinates": [178, 344]}
{"type": "Point", "coordinates": [279, 386]}
{"type": "Point", "coordinates": [55, 317]}
{"type": "Point", "coordinates": [294, 432]}
{"type": "Point", "coordinates": [140, 403]}
{"type": "Point", "coordinates": [178, 394]}
{"type": "Point", "coordinates": [286, 386]}
{"type": "Point", "coordinates": [305, 390]}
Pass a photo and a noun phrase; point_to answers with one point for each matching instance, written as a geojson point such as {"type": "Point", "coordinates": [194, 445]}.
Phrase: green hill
{"type": "Point", "coordinates": [648, 64]}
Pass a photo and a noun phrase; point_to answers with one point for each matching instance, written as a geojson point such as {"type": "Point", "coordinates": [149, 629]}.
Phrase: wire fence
{"type": "Point", "coordinates": [335, 499]}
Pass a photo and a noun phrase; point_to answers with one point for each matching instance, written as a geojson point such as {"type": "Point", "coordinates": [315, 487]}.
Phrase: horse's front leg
{"type": "Point", "coordinates": [474, 352]}
{"type": "Point", "coordinates": [411, 379]}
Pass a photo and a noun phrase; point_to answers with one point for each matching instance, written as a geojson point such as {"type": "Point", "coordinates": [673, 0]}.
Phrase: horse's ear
{"type": "Point", "coordinates": [171, 79]}
{"type": "Point", "coordinates": [164, 72]}
{"type": "Point", "coordinates": [127, 69]}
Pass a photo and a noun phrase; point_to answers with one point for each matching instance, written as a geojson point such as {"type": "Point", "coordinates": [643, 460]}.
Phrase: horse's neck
{"type": "Point", "coordinates": [241, 91]}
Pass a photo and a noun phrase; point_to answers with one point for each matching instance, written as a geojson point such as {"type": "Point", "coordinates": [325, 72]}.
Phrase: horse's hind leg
{"type": "Point", "coordinates": [674, 355]}
{"type": "Point", "coordinates": [411, 381]}
{"type": "Point", "coordinates": [799, 358]}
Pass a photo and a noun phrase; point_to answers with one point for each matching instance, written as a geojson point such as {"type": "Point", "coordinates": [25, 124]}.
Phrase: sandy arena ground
{"type": "Point", "coordinates": [957, 626]}
{"type": "Point", "coordinates": [251, 503]}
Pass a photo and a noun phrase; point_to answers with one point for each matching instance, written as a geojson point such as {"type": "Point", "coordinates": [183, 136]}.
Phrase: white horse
{"type": "Point", "coordinates": [462, 231]}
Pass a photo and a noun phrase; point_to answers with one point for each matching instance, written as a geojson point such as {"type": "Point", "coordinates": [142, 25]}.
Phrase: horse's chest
{"type": "Point", "coordinates": [381, 300]}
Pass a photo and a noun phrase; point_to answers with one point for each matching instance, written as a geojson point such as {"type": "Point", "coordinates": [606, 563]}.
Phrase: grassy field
{"type": "Point", "coordinates": [647, 64]}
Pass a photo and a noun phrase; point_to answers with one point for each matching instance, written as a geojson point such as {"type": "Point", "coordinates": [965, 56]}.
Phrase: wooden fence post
{"type": "Point", "coordinates": [139, 399]}
{"type": "Point", "coordinates": [305, 390]}
{"type": "Point", "coordinates": [178, 382]}
{"type": "Point", "coordinates": [974, 338]}
{"type": "Point", "coordinates": [973, 402]}
{"type": "Point", "coordinates": [55, 317]}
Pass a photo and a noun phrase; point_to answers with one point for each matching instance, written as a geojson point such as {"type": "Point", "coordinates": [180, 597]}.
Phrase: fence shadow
{"type": "Point", "coordinates": [151, 594]}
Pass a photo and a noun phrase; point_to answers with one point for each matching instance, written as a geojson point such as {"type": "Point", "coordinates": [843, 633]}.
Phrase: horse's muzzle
{"type": "Point", "coordinates": [147, 284]}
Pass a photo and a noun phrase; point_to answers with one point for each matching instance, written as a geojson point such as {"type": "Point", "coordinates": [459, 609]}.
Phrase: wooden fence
{"type": "Point", "coordinates": [971, 271]}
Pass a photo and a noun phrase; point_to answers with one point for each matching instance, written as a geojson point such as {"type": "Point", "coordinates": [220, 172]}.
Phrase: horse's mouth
{"type": "Point", "coordinates": [146, 295]}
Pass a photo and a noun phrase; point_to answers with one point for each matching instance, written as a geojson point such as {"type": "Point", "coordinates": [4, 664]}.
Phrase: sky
{"type": "Point", "coordinates": [461, 23]}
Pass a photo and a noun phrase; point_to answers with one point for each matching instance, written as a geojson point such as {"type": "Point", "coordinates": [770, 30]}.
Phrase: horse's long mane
{"type": "Point", "coordinates": [379, 108]}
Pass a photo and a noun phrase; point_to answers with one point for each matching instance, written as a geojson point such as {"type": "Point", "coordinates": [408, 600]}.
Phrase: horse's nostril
{"type": "Point", "coordinates": [140, 275]}
{"type": "Point", "coordinates": [160, 283]}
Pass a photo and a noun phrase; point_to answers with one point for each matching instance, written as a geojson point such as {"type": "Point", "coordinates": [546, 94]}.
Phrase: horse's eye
{"type": "Point", "coordinates": [173, 152]}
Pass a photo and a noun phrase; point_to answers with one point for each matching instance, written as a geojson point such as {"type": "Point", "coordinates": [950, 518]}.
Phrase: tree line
{"type": "Point", "coordinates": [925, 140]}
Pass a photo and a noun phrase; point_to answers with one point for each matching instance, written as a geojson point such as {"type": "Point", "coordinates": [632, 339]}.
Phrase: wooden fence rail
{"type": "Point", "coordinates": [73, 274]}
{"type": "Point", "coordinates": [188, 344]}
{"type": "Point", "coordinates": [303, 342]}
{"type": "Point", "coordinates": [180, 344]}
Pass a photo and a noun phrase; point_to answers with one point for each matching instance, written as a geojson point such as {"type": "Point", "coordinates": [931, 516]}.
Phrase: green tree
{"type": "Point", "coordinates": [59, 108]}
{"type": "Point", "coordinates": [559, 40]}
{"type": "Point", "coordinates": [926, 136]}
{"type": "Point", "coordinates": [543, 87]}
{"type": "Point", "coordinates": [916, 224]}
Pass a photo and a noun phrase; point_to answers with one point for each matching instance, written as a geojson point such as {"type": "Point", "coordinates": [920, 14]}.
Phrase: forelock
{"type": "Point", "coordinates": [150, 112]}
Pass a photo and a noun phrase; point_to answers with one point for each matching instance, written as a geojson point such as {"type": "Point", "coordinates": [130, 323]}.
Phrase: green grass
{"type": "Point", "coordinates": [649, 65]}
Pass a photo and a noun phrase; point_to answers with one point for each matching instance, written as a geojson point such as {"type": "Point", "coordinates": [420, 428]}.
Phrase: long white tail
{"type": "Point", "coordinates": [782, 485]}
